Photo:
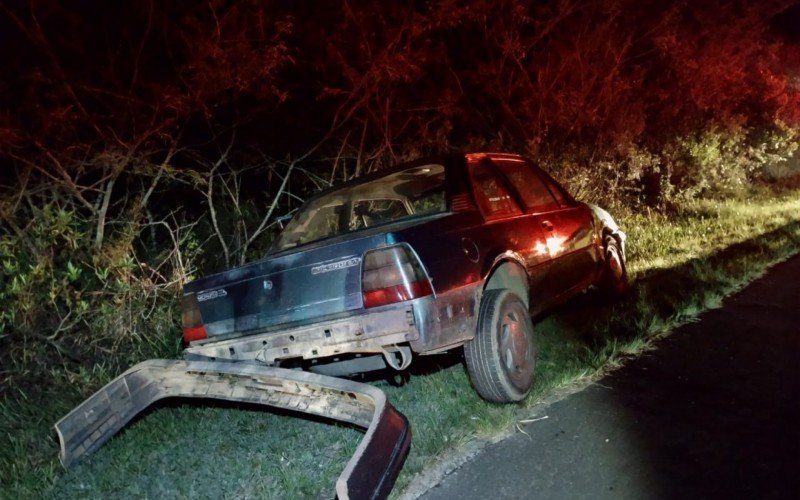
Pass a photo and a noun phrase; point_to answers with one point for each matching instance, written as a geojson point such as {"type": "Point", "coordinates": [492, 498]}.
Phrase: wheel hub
{"type": "Point", "coordinates": [515, 350]}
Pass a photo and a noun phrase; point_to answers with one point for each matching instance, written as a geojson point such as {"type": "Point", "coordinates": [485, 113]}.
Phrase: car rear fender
{"type": "Point", "coordinates": [508, 271]}
{"type": "Point", "coordinates": [371, 471]}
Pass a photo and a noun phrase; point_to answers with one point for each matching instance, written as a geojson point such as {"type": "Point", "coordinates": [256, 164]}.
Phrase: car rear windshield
{"type": "Point", "coordinates": [409, 193]}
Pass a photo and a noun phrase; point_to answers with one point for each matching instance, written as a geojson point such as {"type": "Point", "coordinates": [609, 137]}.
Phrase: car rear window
{"type": "Point", "coordinates": [413, 192]}
{"type": "Point", "coordinates": [492, 196]}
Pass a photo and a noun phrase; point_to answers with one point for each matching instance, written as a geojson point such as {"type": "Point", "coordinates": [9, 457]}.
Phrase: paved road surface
{"type": "Point", "coordinates": [714, 412]}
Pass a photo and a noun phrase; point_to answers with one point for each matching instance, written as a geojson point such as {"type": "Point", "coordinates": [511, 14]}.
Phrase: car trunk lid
{"type": "Point", "coordinates": [289, 288]}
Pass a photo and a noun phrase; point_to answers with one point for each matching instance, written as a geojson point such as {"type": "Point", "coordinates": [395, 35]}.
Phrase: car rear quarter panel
{"type": "Point", "coordinates": [459, 253]}
{"type": "Point", "coordinates": [455, 275]}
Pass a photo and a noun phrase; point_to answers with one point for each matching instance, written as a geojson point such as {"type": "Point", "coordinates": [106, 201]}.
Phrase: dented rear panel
{"type": "Point", "coordinates": [293, 288]}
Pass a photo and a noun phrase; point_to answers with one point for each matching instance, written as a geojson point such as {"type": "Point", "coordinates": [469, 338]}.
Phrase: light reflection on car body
{"type": "Point", "coordinates": [487, 230]}
{"type": "Point", "coordinates": [410, 261]}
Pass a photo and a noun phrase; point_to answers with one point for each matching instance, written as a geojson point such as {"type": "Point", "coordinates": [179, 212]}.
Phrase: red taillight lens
{"type": "Point", "coordinates": [392, 275]}
{"type": "Point", "coordinates": [193, 328]}
{"type": "Point", "coordinates": [192, 334]}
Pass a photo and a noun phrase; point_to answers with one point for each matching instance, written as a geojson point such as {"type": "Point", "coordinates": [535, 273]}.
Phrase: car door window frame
{"type": "Point", "coordinates": [565, 200]}
{"type": "Point", "coordinates": [516, 200]}
{"type": "Point", "coordinates": [556, 204]}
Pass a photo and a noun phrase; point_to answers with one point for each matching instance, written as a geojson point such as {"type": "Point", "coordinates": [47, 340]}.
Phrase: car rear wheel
{"type": "Point", "coordinates": [502, 357]}
{"type": "Point", "coordinates": [615, 274]}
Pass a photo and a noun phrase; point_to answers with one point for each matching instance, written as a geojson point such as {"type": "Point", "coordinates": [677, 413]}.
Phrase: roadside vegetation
{"type": "Point", "coordinates": [680, 266]}
{"type": "Point", "coordinates": [170, 141]}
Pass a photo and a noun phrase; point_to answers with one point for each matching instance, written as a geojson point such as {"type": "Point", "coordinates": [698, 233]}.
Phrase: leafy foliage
{"type": "Point", "coordinates": [167, 140]}
{"type": "Point", "coordinates": [144, 143]}
{"type": "Point", "coordinates": [68, 305]}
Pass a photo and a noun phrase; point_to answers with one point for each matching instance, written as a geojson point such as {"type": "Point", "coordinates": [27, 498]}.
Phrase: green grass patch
{"type": "Point", "coordinates": [681, 265]}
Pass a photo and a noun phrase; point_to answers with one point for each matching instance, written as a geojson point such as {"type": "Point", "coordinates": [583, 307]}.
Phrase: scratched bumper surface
{"type": "Point", "coordinates": [371, 471]}
{"type": "Point", "coordinates": [364, 333]}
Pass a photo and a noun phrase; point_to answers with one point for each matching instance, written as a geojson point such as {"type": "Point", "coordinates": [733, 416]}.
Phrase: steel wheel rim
{"type": "Point", "coordinates": [516, 350]}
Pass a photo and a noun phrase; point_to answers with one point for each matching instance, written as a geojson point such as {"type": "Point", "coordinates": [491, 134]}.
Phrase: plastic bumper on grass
{"type": "Point", "coordinates": [371, 471]}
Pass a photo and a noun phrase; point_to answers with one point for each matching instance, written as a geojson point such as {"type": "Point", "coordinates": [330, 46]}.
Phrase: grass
{"type": "Point", "coordinates": [681, 265]}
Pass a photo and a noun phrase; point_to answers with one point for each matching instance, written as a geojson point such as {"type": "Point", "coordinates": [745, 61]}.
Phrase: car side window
{"type": "Point", "coordinates": [562, 197]}
{"type": "Point", "coordinates": [368, 213]}
{"type": "Point", "coordinates": [558, 193]}
{"type": "Point", "coordinates": [530, 186]}
{"type": "Point", "coordinates": [492, 196]}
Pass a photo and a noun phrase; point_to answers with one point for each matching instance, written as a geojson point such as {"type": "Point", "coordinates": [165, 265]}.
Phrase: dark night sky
{"type": "Point", "coordinates": [421, 76]}
{"type": "Point", "coordinates": [787, 24]}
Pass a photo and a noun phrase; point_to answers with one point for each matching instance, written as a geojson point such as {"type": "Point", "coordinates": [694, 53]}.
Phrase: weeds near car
{"type": "Point", "coordinates": [680, 265]}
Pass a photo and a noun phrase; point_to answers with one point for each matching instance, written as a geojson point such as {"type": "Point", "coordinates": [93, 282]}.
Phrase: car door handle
{"type": "Point", "coordinates": [547, 225]}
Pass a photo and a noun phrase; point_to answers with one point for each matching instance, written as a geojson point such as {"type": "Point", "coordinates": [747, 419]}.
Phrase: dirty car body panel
{"type": "Point", "coordinates": [304, 302]}
{"type": "Point", "coordinates": [367, 276]}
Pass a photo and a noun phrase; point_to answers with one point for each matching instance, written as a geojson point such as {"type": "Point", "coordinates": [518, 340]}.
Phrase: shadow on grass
{"type": "Point", "coordinates": [659, 299]}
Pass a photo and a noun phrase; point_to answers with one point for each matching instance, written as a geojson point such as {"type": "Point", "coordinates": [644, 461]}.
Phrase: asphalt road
{"type": "Point", "coordinates": [713, 412]}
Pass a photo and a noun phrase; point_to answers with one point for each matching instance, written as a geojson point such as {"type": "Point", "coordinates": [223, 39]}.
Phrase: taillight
{"type": "Point", "coordinates": [193, 328]}
{"type": "Point", "coordinates": [392, 275]}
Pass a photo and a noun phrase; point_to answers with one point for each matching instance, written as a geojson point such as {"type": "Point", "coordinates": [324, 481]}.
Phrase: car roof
{"type": "Point", "coordinates": [446, 159]}
{"type": "Point", "coordinates": [450, 160]}
{"type": "Point", "coordinates": [479, 155]}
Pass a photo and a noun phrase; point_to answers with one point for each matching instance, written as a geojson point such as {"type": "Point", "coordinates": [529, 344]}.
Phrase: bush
{"type": "Point", "coordinates": [622, 180]}
{"type": "Point", "coordinates": [716, 163]}
{"type": "Point", "coordinates": [67, 304]}
{"type": "Point", "coordinates": [713, 163]}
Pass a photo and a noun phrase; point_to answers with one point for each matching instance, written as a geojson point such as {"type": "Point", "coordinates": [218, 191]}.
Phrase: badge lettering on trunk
{"type": "Point", "coordinates": [213, 294]}
{"type": "Point", "coordinates": [335, 266]}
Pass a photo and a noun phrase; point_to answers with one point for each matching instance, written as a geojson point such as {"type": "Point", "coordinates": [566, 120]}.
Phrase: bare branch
{"type": "Point", "coordinates": [266, 218]}
{"type": "Point", "coordinates": [161, 168]}
{"type": "Point", "coordinates": [213, 213]}
{"type": "Point", "coordinates": [101, 214]}
{"type": "Point", "coordinates": [210, 198]}
{"type": "Point", "coordinates": [41, 38]}
{"type": "Point", "coordinates": [65, 177]}
{"type": "Point", "coordinates": [135, 75]}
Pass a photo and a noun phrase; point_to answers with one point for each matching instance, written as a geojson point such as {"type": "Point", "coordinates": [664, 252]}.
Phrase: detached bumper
{"type": "Point", "coordinates": [371, 471]}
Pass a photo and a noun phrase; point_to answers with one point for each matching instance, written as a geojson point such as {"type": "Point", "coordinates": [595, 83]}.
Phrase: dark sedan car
{"type": "Point", "coordinates": [414, 260]}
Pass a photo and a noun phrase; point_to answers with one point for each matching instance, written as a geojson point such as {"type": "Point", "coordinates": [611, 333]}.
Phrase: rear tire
{"type": "Point", "coordinates": [501, 359]}
{"type": "Point", "coordinates": [615, 274]}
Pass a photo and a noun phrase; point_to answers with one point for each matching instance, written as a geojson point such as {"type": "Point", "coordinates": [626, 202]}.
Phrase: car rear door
{"type": "Point", "coordinates": [565, 226]}
{"type": "Point", "coordinates": [508, 226]}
